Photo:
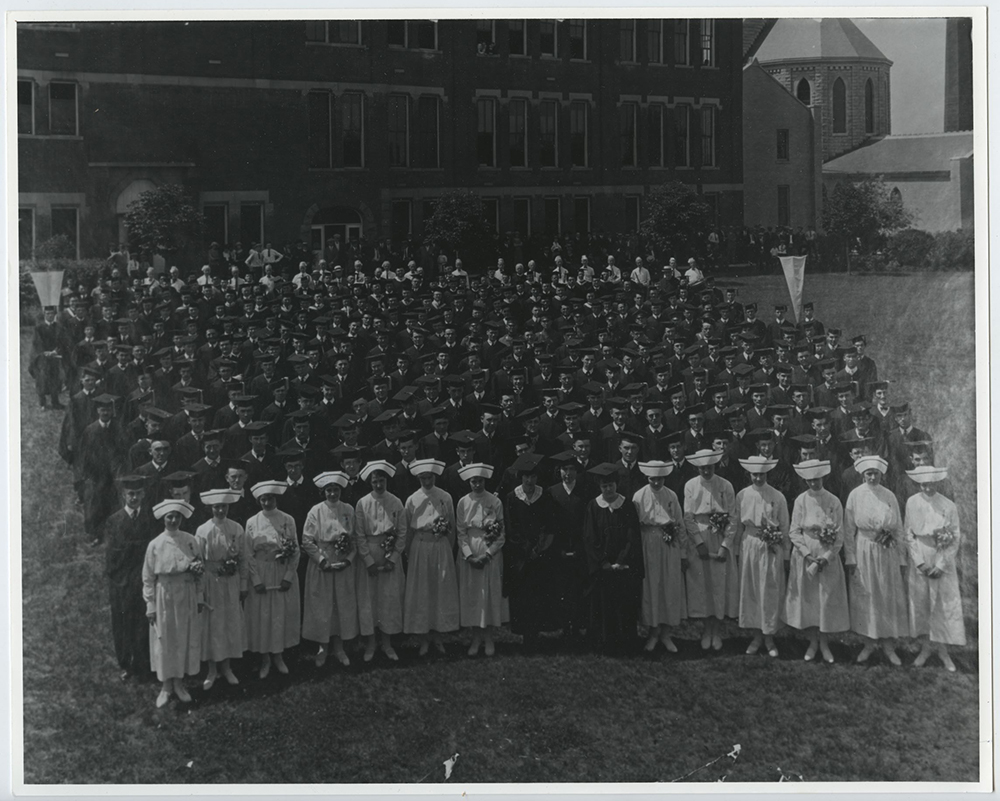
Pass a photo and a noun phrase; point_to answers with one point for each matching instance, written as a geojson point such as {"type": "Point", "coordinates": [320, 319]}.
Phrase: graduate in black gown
{"type": "Point", "coordinates": [614, 561]}
{"type": "Point", "coordinates": [569, 498]}
{"type": "Point", "coordinates": [127, 532]}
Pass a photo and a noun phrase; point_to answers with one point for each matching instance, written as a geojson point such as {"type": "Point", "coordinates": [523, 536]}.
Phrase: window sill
{"type": "Point", "coordinates": [520, 168]}
{"type": "Point", "coordinates": [709, 66]}
{"type": "Point", "coordinates": [628, 63]}
{"type": "Point", "coordinates": [578, 168]}
{"type": "Point", "coordinates": [684, 66]}
{"type": "Point", "coordinates": [520, 55]}
{"type": "Point", "coordinates": [349, 45]}
{"type": "Point", "coordinates": [548, 57]}
{"type": "Point", "coordinates": [710, 168]}
{"type": "Point", "coordinates": [683, 168]}
{"type": "Point", "coordinates": [579, 61]}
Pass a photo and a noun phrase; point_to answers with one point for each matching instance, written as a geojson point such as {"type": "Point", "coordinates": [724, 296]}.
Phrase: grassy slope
{"type": "Point", "coordinates": [562, 716]}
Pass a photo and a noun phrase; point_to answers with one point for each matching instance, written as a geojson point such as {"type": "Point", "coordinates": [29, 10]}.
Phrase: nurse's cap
{"type": "Point", "coordinates": [331, 477]}
{"type": "Point", "coordinates": [268, 488]}
{"type": "Point", "coordinates": [927, 474]}
{"type": "Point", "coordinates": [211, 497]}
{"type": "Point", "coordinates": [164, 508]}
{"type": "Point", "coordinates": [758, 464]}
{"type": "Point", "coordinates": [871, 463]}
{"type": "Point", "coordinates": [704, 457]}
{"type": "Point", "coordinates": [813, 468]}
{"type": "Point", "coordinates": [475, 470]}
{"type": "Point", "coordinates": [378, 465]}
{"type": "Point", "coordinates": [656, 468]}
{"type": "Point", "coordinates": [420, 466]}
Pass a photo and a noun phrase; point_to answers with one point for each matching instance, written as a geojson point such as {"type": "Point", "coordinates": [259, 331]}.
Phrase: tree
{"type": "Point", "coordinates": [459, 225]}
{"type": "Point", "coordinates": [676, 219]}
{"type": "Point", "coordinates": [863, 214]}
{"type": "Point", "coordinates": [162, 221]}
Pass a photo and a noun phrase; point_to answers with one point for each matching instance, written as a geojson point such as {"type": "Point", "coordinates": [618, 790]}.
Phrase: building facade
{"type": "Point", "coordinates": [314, 129]}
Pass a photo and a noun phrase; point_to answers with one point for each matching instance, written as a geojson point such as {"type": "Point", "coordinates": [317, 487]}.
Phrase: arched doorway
{"type": "Point", "coordinates": [839, 106]}
{"type": "Point", "coordinates": [334, 226]}
{"type": "Point", "coordinates": [804, 92]}
{"type": "Point", "coordinates": [129, 194]}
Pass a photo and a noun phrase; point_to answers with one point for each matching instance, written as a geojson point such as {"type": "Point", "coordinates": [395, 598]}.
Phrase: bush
{"type": "Point", "coordinates": [910, 248]}
{"type": "Point", "coordinates": [953, 250]}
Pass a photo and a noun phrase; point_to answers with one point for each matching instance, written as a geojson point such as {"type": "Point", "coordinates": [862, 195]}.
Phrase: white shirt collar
{"type": "Point", "coordinates": [614, 505]}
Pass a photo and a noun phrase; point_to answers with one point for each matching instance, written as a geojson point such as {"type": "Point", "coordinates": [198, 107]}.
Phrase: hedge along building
{"type": "Point", "coordinates": [285, 130]}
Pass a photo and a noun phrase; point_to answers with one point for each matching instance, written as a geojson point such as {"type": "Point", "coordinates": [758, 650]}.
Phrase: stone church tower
{"type": "Point", "coordinates": [830, 63]}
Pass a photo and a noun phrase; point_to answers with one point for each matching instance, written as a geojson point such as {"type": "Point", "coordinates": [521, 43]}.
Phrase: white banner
{"type": "Point", "coordinates": [795, 276]}
{"type": "Point", "coordinates": [49, 286]}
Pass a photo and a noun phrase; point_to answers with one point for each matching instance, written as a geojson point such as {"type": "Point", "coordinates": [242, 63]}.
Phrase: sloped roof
{"type": "Point", "coordinates": [754, 33]}
{"type": "Point", "coordinates": [908, 153]}
{"type": "Point", "coordinates": [817, 39]}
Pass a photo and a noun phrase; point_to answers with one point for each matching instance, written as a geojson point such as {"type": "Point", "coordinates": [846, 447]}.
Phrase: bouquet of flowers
{"type": "Point", "coordinates": [389, 543]}
{"type": "Point", "coordinates": [343, 544]}
{"type": "Point", "coordinates": [441, 528]}
{"type": "Point", "coordinates": [943, 537]}
{"type": "Point", "coordinates": [884, 538]}
{"type": "Point", "coordinates": [771, 535]}
{"type": "Point", "coordinates": [196, 566]}
{"type": "Point", "coordinates": [827, 535]}
{"type": "Point", "coordinates": [286, 549]}
{"type": "Point", "coordinates": [669, 532]}
{"type": "Point", "coordinates": [494, 530]}
{"type": "Point", "coordinates": [719, 521]}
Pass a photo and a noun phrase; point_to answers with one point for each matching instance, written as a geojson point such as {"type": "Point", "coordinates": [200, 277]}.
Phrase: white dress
{"type": "Point", "coordinates": [664, 601]}
{"type": "Point", "coordinates": [376, 518]}
{"type": "Point", "coordinates": [713, 587]}
{"type": "Point", "coordinates": [480, 592]}
{"type": "Point", "coordinates": [330, 603]}
{"type": "Point", "coordinates": [224, 631]}
{"type": "Point", "coordinates": [431, 601]}
{"type": "Point", "coordinates": [935, 604]}
{"type": "Point", "coordinates": [762, 566]}
{"type": "Point", "coordinates": [272, 616]}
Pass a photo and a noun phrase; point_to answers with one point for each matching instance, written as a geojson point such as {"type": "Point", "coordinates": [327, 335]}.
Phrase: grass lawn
{"type": "Point", "coordinates": [561, 715]}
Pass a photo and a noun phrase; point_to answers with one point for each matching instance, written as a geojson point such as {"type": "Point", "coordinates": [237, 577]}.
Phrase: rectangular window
{"type": "Point", "coordinates": [578, 133]}
{"type": "Point", "coordinates": [626, 133]}
{"type": "Point", "coordinates": [654, 41]}
{"type": "Point", "coordinates": [399, 131]}
{"type": "Point", "coordinates": [319, 130]}
{"type": "Point", "coordinates": [782, 149]}
{"type": "Point", "coordinates": [784, 206]}
{"type": "Point", "coordinates": [491, 211]}
{"type": "Point", "coordinates": [426, 35]}
{"type": "Point", "coordinates": [581, 215]}
{"type": "Point", "coordinates": [521, 215]}
{"type": "Point", "coordinates": [548, 133]}
{"type": "Point", "coordinates": [401, 219]}
{"type": "Point", "coordinates": [655, 135]}
{"type": "Point", "coordinates": [708, 43]}
{"type": "Point", "coordinates": [62, 109]}
{"type": "Point", "coordinates": [626, 39]}
{"type": "Point", "coordinates": [334, 32]}
{"type": "Point", "coordinates": [486, 132]}
{"type": "Point", "coordinates": [216, 222]}
{"type": "Point", "coordinates": [517, 110]}
{"type": "Point", "coordinates": [681, 42]}
{"type": "Point", "coordinates": [631, 212]}
{"type": "Point", "coordinates": [25, 233]}
{"type": "Point", "coordinates": [553, 216]}
{"type": "Point", "coordinates": [25, 107]}
{"type": "Point", "coordinates": [352, 129]}
{"type": "Point", "coordinates": [396, 32]}
{"type": "Point", "coordinates": [708, 136]}
{"type": "Point", "coordinates": [548, 44]}
{"type": "Point", "coordinates": [427, 132]}
{"type": "Point", "coordinates": [315, 31]}
{"type": "Point", "coordinates": [65, 223]}
{"type": "Point", "coordinates": [516, 37]}
{"type": "Point", "coordinates": [486, 37]}
{"type": "Point", "coordinates": [578, 39]}
{"type": "Point", "coordinates": [251, 223]}
{"type": "Point", "coordinates": [682, 136]}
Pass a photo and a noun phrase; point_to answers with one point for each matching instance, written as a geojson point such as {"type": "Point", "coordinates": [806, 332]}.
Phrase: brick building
{"type": "Point", "coordinates": [830, 63]}
{"type": "Point", "coordinates": [302, 129]}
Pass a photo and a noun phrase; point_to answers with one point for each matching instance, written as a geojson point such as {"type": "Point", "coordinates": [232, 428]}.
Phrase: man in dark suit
{"type": "Point", "coordinates": [210, 470]}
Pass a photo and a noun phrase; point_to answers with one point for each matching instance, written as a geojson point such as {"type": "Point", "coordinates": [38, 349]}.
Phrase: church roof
{"type": "Point", "coordinates": [905, 153]}
{"type": "Point", "coordinates": [754, 33]}
{"type": "Point", "coordinates": [797, 39]}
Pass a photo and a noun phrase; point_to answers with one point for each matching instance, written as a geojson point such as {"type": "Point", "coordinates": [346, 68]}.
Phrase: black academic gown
{"type": "Point", "coordinates": [126, 550]}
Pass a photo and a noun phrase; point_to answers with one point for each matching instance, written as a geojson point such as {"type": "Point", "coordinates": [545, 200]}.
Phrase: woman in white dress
{"type": "Point", "coordinates": [762, 537]}
{"type": "Point", "coordinates": [713, 579]}
{"type": "Point", "coordinates": [330, 610]}
{"type": "Point", "coordinates": [877, 560]}
{"type": "Point", "coordinates": [934, 537]}
{"type": "Point", "coordinates": [480, 527]}
{"type": "Point", "coordinates": [380, 524]}
{"type": "Point", "coordinates": [174, 595]}
{"type": "Point", "coordinates": [224, 547]}
{"type": "Point", "coordinates": [816, 599]}
{"type": "Point", "coordinates": [272, 609]}
{"type": "Point", "coordinates": [430, 606]}
{"type": "Point", "coordinates": [664, 554]}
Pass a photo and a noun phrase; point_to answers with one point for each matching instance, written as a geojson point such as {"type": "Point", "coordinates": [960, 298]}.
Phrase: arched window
{"type": "Point", "coordinates": [895, 196]}
{"type": "Point", "coordinates": [839, 106]}
{"type": "Point", "coordinates": [803, 92]}
{"type": "Point", "coordinates": [869, 107]}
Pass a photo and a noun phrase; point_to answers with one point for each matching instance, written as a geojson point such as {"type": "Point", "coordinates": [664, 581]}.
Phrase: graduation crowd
{"type": "Point", "coordinates": [339, 454]}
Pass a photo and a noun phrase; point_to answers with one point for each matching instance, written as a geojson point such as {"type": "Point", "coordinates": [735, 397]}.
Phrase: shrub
{"type": "Point", "coordinates": [910, 248]}
{"type": "Point", "coordinates": [953, 250]}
